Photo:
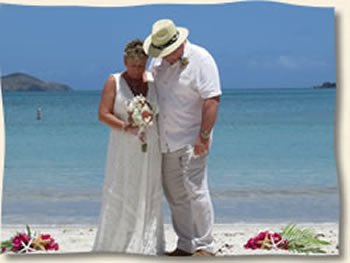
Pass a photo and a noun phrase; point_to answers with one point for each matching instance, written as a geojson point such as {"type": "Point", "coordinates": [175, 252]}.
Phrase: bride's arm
{"type": "Point", "coordinates": [105, 110]}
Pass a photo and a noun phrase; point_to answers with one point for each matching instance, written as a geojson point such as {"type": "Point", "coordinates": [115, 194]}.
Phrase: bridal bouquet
{"type": "Point", "coordinates": [26, 242]}
{"type": "Point", "coordinates": [291, 238]}
{"type": "Point", "coordinates": [141, 114]}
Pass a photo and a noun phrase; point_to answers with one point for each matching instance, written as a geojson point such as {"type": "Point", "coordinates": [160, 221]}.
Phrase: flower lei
{"type": "Point", "coordinates": [291, 238]}
{"type": "Point", "coordinates": [26, 243]}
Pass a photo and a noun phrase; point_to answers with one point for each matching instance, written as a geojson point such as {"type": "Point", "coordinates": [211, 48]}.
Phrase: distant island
{"type": "Point", "coordinates": [326, 85]}
{"type": "Point", "coordinates": [25, 82]}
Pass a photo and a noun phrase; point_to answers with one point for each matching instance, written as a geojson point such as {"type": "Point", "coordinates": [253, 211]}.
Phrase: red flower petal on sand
{"type": "Point", "coordinates": [45, 237]}
{"type": "Point", "coordinates": [261, 236]}
{"type": "Point", "coordinates": [276, 237]}
{"type": "Point", "coordinates": [24, 237]}
{"type": "Point", "coordinates": [16, 241]}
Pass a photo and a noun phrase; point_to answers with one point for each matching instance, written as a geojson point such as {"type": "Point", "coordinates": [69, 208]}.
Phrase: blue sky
{"type": "Point", "coordinates": [255, 44]}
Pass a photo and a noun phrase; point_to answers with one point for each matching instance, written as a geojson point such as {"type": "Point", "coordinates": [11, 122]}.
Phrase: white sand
{"type": "Point", "coordinates": [230, 238]}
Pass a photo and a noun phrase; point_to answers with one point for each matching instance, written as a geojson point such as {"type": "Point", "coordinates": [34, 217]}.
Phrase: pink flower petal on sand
{"type": "Point", "coordinates": [44, 237]}
{"type": "Point", "coordinates": [261, 236]}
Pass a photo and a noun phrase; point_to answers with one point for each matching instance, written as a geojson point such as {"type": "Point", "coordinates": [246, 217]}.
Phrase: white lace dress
{"type": "Point", "coordinates": [131, 218]}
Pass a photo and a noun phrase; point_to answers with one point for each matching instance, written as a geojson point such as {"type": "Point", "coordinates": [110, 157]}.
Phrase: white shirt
{"type": "Point", "coordinates": [181, 93]}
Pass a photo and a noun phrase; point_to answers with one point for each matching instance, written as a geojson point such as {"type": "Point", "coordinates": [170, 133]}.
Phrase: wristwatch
{"type": "Point", "coordinates": [204, 134]}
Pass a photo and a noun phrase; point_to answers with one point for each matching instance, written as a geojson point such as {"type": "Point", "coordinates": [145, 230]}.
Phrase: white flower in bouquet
{"type": "Point", "coordinates": [129, 105]}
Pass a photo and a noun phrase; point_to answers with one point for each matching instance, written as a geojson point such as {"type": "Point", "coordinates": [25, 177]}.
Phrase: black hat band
{"type": "Point", "coordinates": [167, 44]}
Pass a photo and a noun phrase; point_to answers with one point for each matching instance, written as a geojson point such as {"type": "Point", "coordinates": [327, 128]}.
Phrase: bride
{"type": "Point", "coordinates": [131, 215]}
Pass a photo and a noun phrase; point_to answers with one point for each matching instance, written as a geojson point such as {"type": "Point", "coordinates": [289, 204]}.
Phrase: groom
{"type": "Point", "coordinates": [188, 87]}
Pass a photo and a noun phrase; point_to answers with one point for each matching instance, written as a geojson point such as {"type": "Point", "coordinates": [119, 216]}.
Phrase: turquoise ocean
{"type": "Point", "coordinates": [272, 157]}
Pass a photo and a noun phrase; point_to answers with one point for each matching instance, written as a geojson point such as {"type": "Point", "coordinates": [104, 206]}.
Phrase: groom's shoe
{"type": "Point", "coordinates": [203, 253]}
{"type": "Point", "coordinates": [178, 253]}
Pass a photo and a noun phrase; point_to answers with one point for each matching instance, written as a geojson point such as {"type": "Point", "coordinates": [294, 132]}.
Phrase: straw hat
{"type": "Point", "coordinates": [165, 38]}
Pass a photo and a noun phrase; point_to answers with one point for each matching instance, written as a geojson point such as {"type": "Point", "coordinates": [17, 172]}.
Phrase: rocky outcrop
{"type": "Point", "coordinates": [326, 85]}
{"type": "Point", "coordinates": [25, 82]}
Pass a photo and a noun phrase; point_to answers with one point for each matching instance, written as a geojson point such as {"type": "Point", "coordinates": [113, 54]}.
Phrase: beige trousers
{"type": "Point", "coordinates": [186, 189]}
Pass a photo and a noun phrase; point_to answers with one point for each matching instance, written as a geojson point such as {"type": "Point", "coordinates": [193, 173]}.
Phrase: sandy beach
{"type": "Point", "coordinates": [230, 238]}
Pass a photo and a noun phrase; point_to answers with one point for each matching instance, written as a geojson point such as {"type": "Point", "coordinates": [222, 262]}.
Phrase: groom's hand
{"type": "Point", "coordinates": [201, 146]}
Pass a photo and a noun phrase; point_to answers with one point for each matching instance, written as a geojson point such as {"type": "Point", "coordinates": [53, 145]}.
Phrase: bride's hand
{"type": "Point", "coordinates": [130, 129]}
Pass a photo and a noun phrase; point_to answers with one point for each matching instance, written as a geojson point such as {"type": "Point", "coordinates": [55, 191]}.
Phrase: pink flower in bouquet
{"type": "Point", "coordinates": [16, 244]}
{"type": "Point", "coordinates": [276, 237]}
{"type": "Point", "coordinates": [45, 237]}
{"type": "Point", "coordinates": [251, 242]}
{"type": "Point", "coordinates": [51, 245]}
{"type": "Point", "coordinates": [283, 245]}
{"type": "Point", "coordinates": [17, 241]}
{"type": "Point", "coordinates": [254, 243]}
{"type": "Point", "coordinates": [261, 236]}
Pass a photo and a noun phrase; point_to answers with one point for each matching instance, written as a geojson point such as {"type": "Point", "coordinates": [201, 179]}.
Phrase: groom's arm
{"type": "Point", "coordinates": [209, 114]}
{"type": "Point", "coordinates": [209, 89]}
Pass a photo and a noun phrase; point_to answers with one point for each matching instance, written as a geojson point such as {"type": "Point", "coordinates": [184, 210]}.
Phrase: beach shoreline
{"type": "Point", "coordinates": [230, 238]}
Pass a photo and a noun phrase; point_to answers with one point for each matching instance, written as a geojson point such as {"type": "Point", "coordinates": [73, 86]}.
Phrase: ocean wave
{"type": "Point", "coordinates": [53, 196]}
{"type": "Point", "coordinates": [226, 194]}
{"type": "Point", "coordinates": [276, 192]}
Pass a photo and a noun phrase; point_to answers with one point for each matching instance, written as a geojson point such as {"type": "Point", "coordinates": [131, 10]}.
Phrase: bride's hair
{"type": "Point", "coordinates": [134, 49]}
